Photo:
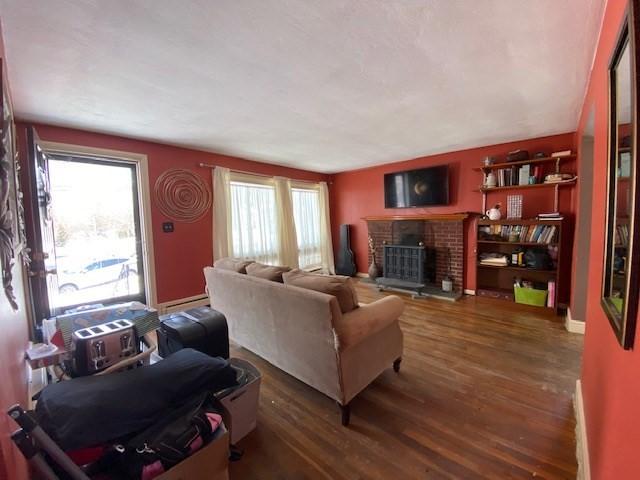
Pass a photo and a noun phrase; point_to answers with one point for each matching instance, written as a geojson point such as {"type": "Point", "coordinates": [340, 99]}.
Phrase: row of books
{"type": "Point", "coordinates": [622, 235]}
{"type": "Point", "coordinates": [543, 234]}
{"type": "Point", "coordinates": [519, 175]}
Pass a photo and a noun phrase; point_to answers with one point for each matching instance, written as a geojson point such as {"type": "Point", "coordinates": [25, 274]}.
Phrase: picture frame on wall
{"type": "Point", "coordinates": [12, 220]}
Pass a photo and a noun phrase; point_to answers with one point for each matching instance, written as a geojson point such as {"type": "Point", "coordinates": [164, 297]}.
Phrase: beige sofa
{"type": "Point", "coordinates": [304, 333]}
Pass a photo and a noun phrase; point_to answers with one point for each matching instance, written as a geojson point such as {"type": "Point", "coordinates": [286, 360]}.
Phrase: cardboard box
{"type": "Point", "coordinates": [209, 463]}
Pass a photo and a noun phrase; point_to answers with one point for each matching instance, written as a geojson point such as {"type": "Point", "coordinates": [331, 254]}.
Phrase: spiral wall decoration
{"type": "Point", "coordinates": [182, 195]}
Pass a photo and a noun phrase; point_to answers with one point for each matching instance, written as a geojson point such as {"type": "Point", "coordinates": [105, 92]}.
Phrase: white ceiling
{"type": "Point", "coordinates": [326, 85]}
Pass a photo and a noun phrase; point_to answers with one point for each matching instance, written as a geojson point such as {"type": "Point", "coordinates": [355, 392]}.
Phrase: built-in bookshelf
{"type": "Point", "coordinates": [508, 236]}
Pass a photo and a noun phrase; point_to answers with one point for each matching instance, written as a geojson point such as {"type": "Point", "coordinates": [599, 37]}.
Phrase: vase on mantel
{"type": "Point", "coordinates": [374, 270]}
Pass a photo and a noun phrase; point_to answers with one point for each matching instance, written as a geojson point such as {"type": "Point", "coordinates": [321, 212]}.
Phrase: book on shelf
{"type": "Point", "coordinates": [542, 234]}
{"type": "Point", "coordinates": [549, 216]}
{"type": "Point", "coordinates": [622, 236]}
{"type": "Point", "coordinates": [494, 259]}
{"type": "Point", "coordinates": [523, 175]}
{"type": "Point", "coordinates": [551, 294]}
{"type": "Point", "coordinates": [562, 153]}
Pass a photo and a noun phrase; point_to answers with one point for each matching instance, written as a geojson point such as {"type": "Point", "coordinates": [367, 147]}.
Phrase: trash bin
{"type": "Point", "coordinates": [240, 403]}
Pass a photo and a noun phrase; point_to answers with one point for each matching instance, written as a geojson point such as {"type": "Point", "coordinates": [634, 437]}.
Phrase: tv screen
{"type": "Point", "coordinates": [417, 188]}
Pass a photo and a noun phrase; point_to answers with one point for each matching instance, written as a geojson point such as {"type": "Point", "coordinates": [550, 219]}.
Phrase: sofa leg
{"type": "Point", "coordinates": [346, 414]}
{"type": "Point", "coordinates": [396, 364]}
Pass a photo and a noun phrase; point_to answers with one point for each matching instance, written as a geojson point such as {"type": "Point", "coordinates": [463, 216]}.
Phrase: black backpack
{"type": "Point", "coordinates": [538, 259]}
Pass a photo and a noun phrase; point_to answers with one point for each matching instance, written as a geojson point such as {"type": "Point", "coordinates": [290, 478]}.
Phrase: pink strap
{"type": "Point", "coordinates": [152, 470]}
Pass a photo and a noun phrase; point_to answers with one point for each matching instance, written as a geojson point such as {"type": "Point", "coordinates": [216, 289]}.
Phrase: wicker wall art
{"type": "Point", "coordinates": [181, 195]}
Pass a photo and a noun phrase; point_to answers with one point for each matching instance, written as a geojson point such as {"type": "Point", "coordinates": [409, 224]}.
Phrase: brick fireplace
{"type": "Point", "coordinates": [443, 234]}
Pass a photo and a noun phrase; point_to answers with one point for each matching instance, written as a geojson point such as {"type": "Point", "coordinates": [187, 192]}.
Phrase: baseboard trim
{"type": "Point", "coordinates": [362, 275]}
{"type": "Point", "coordinates": [572, 325]}
{"type": "Point", "coordinates": [469, 292]}
{"type": "Point", "coordinates": [183, 304]}
{"type": "Point", "coordinates": [582, 445]}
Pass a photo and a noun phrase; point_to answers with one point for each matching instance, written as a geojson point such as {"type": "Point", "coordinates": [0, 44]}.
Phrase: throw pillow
{"type": "Point", "coordinates": [337, 285]}
{"type": "Point", "coordinates": [234, 264]}
{"type": "Point", "coordinates": [268, 272]}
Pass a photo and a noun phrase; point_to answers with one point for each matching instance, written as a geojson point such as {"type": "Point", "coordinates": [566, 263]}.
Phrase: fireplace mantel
{"type": "Point", "coordinates": [434, 217]}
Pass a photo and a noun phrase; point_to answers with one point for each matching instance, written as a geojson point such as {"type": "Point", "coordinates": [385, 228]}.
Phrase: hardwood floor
{"type": "Point", "coordinates": [484, 391]}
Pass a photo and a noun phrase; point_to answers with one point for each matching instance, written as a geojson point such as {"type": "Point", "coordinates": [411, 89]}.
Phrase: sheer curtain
{"type": "Point", "coordinates": [221, 213]}
{"type": "Point", "coordinates": [254, 222]}
{"type": "Point", "coordinates": [326, 247]}
{"type": "Point", "coordinates": [272, 221]}
{"type": "Point", "coordinates": [287, 238]}
{"type": "Point", "coordinates": [313, 226]}
{"type": "Point", "coordinates": [306, 213]}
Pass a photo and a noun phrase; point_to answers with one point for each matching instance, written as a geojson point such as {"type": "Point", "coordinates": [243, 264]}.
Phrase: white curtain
{"type": "Point", "coordinates": [221, 213]}
{"type": "Point", "coordinates": [306, 212]}
{"type": "Point", "coordinates": [272, 222]}
{"type": "Point", "coordinates": [254, 222]}
{"type": "Point", "coordinates": [287, 239]}
{"type": "Point", "coordinates": [326, 247]}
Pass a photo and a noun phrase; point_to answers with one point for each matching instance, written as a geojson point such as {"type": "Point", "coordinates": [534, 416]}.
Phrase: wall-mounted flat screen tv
{"type": "Point", "coordinates": [417, 188]}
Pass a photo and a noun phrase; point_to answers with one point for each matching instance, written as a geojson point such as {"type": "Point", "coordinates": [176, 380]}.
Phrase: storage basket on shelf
{"type": "Point", "coordinates": [530, 296]}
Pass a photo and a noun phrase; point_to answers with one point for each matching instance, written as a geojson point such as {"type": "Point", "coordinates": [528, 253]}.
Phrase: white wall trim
{"type": "Point", "coordinates": [572, 325]}
{"type": "Point", "coordinates": [183, 304]}
{"type": "Point", "coordinates": [362, 275]}
{"type": "Point", "coordinates": [144, 199]}
{"type": "Point", "coordinates": [582, 445]}
{"type": "Point", "coordinates": [469, 292]}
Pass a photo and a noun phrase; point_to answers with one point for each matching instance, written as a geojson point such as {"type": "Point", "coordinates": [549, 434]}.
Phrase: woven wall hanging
{"type": "Point", "coordinates": [182, 195]}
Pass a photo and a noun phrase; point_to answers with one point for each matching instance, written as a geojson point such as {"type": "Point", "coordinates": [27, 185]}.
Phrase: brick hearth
{"type": "Point", "coordinates": [436, 234]}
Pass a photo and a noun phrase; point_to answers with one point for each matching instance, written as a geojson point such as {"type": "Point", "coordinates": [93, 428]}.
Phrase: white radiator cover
{"type": "Point", "coordinates": [183, 304]}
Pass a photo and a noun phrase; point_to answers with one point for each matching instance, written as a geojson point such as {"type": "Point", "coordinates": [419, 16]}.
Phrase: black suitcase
{"type": "Point", "coordinates": [202, 329]}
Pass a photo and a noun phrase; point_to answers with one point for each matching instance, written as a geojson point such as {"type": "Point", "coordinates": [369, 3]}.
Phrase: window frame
{"type": "Point", "coordinates": [141, 166]}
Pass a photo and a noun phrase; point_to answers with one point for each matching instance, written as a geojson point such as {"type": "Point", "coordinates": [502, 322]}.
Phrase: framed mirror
{"type": "Point", "coordinates": [622, 245]}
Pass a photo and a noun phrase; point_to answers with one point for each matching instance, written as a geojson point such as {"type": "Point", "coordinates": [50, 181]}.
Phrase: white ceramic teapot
{"type": "Point", "coordinates": [494, 213]}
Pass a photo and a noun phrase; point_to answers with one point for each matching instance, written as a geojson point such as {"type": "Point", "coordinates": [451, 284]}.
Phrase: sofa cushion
{"type": "Point", "coordinates": [268, 272]}
{"type": "Point", "coordinates": [238, 265]}
{"type": "Point", "coordinates": [340, 287]}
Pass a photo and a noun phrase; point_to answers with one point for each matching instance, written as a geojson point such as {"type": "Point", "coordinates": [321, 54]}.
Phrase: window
{"type": "Point", "coordinates": [97, 230]}
{"type": "Point", "coordinates": [306, 214]}
{"type": "Point", "coordinates": [254, 222]}
{"type": "Point", "coordinates": [272, 220]}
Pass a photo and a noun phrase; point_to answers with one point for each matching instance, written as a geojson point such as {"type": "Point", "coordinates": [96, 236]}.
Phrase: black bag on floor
{"type": "Point", "coordinates": [166, 443]}
{"type": "Point", "coordinates": [90, 411]}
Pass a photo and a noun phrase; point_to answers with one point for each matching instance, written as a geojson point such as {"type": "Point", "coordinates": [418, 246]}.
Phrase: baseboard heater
{"type": "Point", "coordinates": [183, 304]}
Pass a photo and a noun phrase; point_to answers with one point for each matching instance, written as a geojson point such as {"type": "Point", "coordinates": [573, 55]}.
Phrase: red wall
{"type": "Point", "coordinates": [13, 368]}
{"type": "Point", "coordinates": [360, 193]}
{"type": "Point", "coordinates": [610, 375]}
{"type": "Point", "coordinates": [181, 255]}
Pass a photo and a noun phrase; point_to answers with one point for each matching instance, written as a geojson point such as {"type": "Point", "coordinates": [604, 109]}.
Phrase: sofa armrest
{"type": "Point", "coordinates": [368, 319]}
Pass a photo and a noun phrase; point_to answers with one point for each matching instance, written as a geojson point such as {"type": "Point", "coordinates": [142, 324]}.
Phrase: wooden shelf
{"type": "Point", "coordinates": [519, 269]}
{"type": "Point", "coordinates": [533, 161]}
{"type": "Point", "coordinates": [535, 185]}
{"type": "Point", "coordinates": [513, 221]}
{"type": "Point", "coordinates": [444, 217]}
{"type": "Point", "coordinates": [526, 244]}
